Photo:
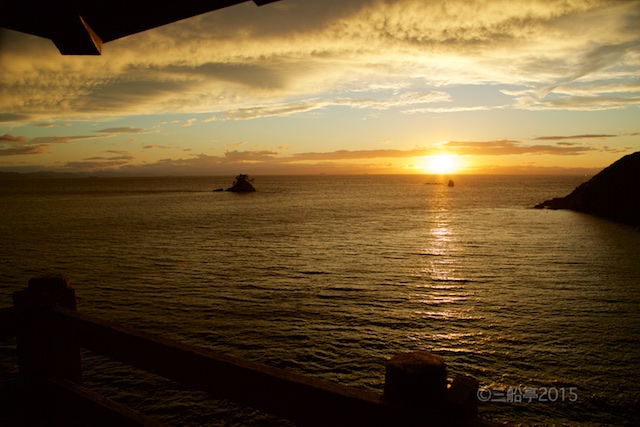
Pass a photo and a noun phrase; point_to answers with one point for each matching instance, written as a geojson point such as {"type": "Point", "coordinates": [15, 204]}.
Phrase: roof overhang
{"type": "Point", "coordinates": [79, 27]}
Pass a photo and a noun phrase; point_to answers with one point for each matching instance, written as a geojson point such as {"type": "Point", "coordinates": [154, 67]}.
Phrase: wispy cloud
{"type": "Point", "coordinates": [283, 56]}
{"type": "Point", "coordinates": [113, 160]}
{"type": "Point", "coordinates": [577, 103]}
{"type": "Point", "coordinates": [457, 109]}
{"type": "Point", "coordinates": [126, 130]}
{"type": "Point", "coordinates": [572, 137]}
{"type": "Point", "coordinates": [12, 139]}
{"type": "Point", "coordinates": [249, 156]}
{"type": "Point", "coordinates": [238, 144]}
{"type": "Point", "coordinates": [189, 122]}
{"type": "Point", "coordinates": [46, 124]}
{"type": "Point", "coordinates": [46, 140]}
{"type": "Point", "coordinates": [20, 151]}
{"type": "Point", "coordinates": [12, 117]}
{"type": "Point", "coordinates": [360, 154]}
{"type": "Point", "coordinates": [267, 111]}
{"type": "Point", "coordinates": [508, 147]}
{"type": "Point", "coordinates": [151, 146]}
{"type": "Point", "coordinates": [11, 145]}
{"type": "Point", "coordinates": [592, 61]}
{"type": "Point", "coordinates": [95, 166]}
{"type": "Point", "coordinates": [374, 103]}
{"type": "Point", "coordinates": [41, 140]}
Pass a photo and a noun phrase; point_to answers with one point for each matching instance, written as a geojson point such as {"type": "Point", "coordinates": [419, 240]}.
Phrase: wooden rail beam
{"type": "Point", "coordinates": [50, 332]}
{"type": "Point", "coordinates": [306, 400]}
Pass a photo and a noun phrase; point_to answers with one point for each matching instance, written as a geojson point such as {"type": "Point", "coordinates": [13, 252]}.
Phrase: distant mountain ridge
{"type": "Point", "coordinates": [614, 193]}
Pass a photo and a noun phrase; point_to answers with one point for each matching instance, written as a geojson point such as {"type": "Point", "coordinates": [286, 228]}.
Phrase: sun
{"type": "Point", "coordinates": [440, 164]}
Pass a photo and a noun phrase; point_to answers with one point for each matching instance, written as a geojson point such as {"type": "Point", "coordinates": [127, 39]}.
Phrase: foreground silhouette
{"type": "Point", "coordinates": [50, 335]}
{"type": "Point", "coordinates": [614, 193]}
{"type": "Point", "coordinates": [81, 27]}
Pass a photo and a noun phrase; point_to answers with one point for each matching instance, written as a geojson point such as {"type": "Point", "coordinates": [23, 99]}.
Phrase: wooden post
{"type": "Point", "coordinates": [416, 382]}
{"type": "Point", "coordinates": [43, 349]}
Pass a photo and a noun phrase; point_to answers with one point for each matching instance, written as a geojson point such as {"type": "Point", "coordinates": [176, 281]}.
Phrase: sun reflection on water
{"type": "Point", "coordinates": [444, 296]}
{"type": "Point", "coordinates": [441, 250]}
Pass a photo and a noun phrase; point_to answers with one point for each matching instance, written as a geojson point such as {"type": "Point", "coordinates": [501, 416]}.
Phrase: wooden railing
{"type": "Point", "coordinates": [50, 333]}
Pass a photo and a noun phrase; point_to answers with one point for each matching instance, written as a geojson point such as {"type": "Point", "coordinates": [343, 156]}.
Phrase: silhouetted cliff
{"type": "Point", "coordinates": [614, 193]}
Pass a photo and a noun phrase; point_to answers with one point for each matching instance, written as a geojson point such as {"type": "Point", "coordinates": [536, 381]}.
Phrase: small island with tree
{"type": "Point", "coordinates": [241, 184]}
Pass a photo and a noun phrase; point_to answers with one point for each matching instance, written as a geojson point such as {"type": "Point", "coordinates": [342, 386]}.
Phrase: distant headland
{"type": "Point", "coordinates": [614, 193]}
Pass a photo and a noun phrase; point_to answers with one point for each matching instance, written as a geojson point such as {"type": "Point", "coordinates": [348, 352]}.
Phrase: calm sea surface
{"type": "Point", "coordinates": [330, 276]}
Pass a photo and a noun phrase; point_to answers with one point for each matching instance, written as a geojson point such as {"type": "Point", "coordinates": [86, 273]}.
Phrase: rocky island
{"type": "Point", "coordinates": [242, 184]}
{"type": "Point", "coordinates": [614, 193]}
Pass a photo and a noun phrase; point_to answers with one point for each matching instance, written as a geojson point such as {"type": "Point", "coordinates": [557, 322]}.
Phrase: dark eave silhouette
{"type": "Point", "coordinates": [80, 27]}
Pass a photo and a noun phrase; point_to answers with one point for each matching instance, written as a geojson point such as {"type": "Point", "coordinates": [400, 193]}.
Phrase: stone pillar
{"type": "Point", "coordinates": [44, 348]}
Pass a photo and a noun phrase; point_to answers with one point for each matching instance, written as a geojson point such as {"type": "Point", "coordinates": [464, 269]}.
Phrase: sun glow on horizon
{"type": "Point", "coordinates": [440, 164]}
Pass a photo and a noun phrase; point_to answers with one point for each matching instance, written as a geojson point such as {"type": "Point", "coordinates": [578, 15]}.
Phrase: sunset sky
{"type": "Point", "coordinates": [335, 86]}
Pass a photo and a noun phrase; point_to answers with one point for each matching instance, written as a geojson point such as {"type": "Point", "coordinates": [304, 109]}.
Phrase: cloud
{"type": "Point", "coordinates": [189, 122]}
{"type": "Point", "coordinates": [45, 124]}
{"type": "Point", "coordinates": [19, 145]}
{"type": "Point", "coordinates": [19, 151]}
{"type": "Point", "coordinates": [572, 137]}
{"type": "Point", "coordinates": [577, 103]}
{"type": "Point", "coordinates": [238, 144]}
{"type": "Point", "coordinates": [11, 117]}
{"type": "Point", "coordinates": [249, 156]}
{"type": "Point", "coordinates": [94, 166]}
{"type": "Point", "coordinates": [490, 148]}
{"type": "Point", "coordinates": [284, 56]}
{"type": "Point", "coordinates": [338, 161]}
{"type": "Point", "coordinates": [359, 154]}
{"type": "Point", "coordinates": [375, 103]}
{"type": "Point", "coordinates": [125, 158]}
{"type": "Point", "coordinates": [253, 75]}
{"type": "Point", "coordinates": [597, 59]}
{"type": "Point", "coordinates": [458, 109]}
{"type": "Point", "coordinates": [267, 111]}
{"type": "Point", "coordinates": [45, 140]}
{"type": "Point", "coordinates": [150, 146]}
{"type": "Point", "coordinates": [11, 145]}
{"type": "Point", "coordinates": [380, 59]}
{"type": "Point", "coordinates": [10, 138]}
{"type": "Point", "coordinates": [507, 147]}
{"type": "Point", "coordinates": [101, 163]}
{"type": "Point", "coordinates": [126, 129]}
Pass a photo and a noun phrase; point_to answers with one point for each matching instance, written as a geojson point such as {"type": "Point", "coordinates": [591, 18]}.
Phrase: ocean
{"type": "Point", "coordinates": [331, 276]}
